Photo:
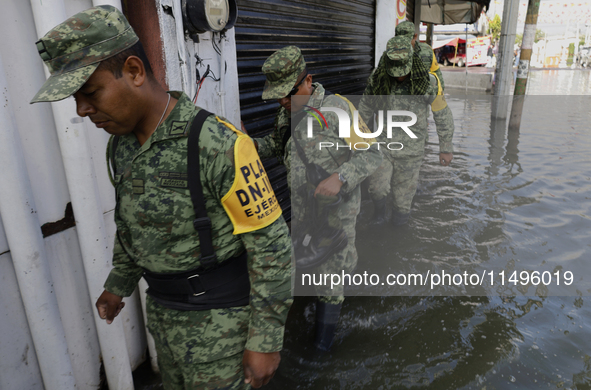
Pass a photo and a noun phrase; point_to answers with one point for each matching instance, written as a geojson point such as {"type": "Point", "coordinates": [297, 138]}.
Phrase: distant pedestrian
{"type": "Point", "coordinates": [489, 54]}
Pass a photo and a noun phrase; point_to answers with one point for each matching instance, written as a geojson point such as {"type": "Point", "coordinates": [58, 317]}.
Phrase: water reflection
{"type": "Point", "coordinates": [401, 342]}
{"type": "Point", "coordinates": [514, 201]}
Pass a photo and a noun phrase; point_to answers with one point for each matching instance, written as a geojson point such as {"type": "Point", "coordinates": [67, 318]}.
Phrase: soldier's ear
{"type": "Point", "coordinates": [134, 69]}
{"type": "Point", "coordinates": [309, 79]}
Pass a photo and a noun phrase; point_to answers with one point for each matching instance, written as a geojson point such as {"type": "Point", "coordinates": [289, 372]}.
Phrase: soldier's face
{"type": "Point", "coordinates": [108, 102]}
{"type": "Point", "coordinates": [401, 78]}
{"type": "Point", "coordinates": [304, 89]}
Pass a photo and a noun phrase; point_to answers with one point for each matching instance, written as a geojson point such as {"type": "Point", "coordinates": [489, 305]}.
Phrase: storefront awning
{"type": "Point", "coordinates": [447, 11]}
{"type": "Point", "coordinates": [448, 42]}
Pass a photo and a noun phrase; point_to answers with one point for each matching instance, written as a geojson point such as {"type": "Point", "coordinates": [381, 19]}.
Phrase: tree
{"type": "Point", "coordinates": [494, 28]}
{"type": "Point", "coordinates": [518, 39]}
{"type": "Point", "coordinates": [539, 35]}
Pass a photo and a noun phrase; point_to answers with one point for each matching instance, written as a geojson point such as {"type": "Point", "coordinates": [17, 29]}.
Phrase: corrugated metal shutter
{"type": "Point", "coordinates": [336, 38]}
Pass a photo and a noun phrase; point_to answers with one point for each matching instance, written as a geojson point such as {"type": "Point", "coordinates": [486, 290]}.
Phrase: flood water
{"type": "Point", "coordinates": [510, 201]}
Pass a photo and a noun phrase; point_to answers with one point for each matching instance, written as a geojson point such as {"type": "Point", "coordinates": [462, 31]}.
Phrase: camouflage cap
{"type": "Point", "coordinates": [399, 52]}
{"type": "Point", "coordinates": [405, 29]}
{"type": "Point", "coordinates": [74, 49]}
{"type": "Point", "coordinates": [282, 69]}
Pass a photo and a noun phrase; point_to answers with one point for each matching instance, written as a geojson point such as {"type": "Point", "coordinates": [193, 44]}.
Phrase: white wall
{"type": "Point", "coordinates": [385, 25]}
{"type": "Point", "coordinates": [221, 98]}
{"type": "Point", "coordinates": [19, 368]}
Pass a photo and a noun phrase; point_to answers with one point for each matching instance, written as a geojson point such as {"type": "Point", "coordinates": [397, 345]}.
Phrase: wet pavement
{"type": "Point", "coordinates": [510, 201]}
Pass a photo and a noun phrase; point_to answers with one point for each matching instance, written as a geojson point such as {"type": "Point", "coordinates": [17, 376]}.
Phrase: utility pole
{"type": "Point", "coordinates": [417, 17]}
{"type": "Point", "coordinates": [529, 34]}
{"type": "Point", "coordinates": [504, 70]}
{"type": "Point", "coordinates": [429, 34]}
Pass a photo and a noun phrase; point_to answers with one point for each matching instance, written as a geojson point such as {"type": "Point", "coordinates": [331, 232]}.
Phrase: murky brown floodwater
{"type": "Point", "coordinates": [513, 201]}
{"type": "Point", "coordinates": [510, 201]}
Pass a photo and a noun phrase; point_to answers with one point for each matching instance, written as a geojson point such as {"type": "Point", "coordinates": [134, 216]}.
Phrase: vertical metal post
{"type": "Point", "coordinates": [429, 35]}
{"type": "Point", "coordinates": [466, 60]}
{"type": "Point", "coordinates": [504, 70]}
{"type": "Point", "coordinates": [529, 34]}
{"type": "Point", "coordinates": [417, 16]}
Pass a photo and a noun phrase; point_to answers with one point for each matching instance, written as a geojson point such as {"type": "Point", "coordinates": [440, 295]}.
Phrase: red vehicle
{"type": "Point", "coordinates": [451, 51]}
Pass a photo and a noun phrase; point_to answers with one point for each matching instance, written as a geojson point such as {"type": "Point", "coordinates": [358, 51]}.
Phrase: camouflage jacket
{"type": "Point", "coordinates": [353, 165]}
{"type": "Point", "coordinates": [271, 145]}
{"type": "Point", "coordinates": [401, 98]}
{"type": "Point", "coordinates": [426, 53]}
{"type": "Point", "coordinates": [154, 217]}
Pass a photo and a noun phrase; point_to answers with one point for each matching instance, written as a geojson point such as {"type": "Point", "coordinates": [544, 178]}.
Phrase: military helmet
{"type": "Point", "coordinates": [406, 29]}
{"type": "Point", "coordinates": [282, 69]}
{"type": "Point", "coordinates": [399, 52]}
{"type": "Point", "coordinates": [74, 49]}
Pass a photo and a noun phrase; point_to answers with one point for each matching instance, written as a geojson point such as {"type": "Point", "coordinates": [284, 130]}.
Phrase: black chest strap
{"type": "Point", "coordinates": [223, 285]}
{"type": "Point", "coordinates": [202, 222]}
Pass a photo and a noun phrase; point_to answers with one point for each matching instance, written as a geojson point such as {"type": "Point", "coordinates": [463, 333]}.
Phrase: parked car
{"type": "Point", "coordinates": [448, 55]}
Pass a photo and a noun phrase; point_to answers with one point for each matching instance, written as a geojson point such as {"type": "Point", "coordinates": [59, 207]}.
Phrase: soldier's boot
{"type": "Point", "coordinates": [324, 238]}
{"type": "Point", "coordinates": [380, 215]}
{"type": "Point", "coordinates": [327, 317]}
{"type": "Point", "coordinates": [312, 250]}
{"type": "Point", "coordinates": [399, 219]}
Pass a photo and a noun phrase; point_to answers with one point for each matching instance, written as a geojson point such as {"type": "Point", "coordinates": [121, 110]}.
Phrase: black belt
{"type": "Point", "coordinates": [225, 286]}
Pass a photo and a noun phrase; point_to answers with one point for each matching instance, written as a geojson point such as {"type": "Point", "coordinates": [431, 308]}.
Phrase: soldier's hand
{"type": "Point", "coordinates": [109, 306]}
{"type": "Point", "coordinates": [329, 186]}
{"type": "Point", "coordinates": [259, 367]}
{"type": "Point", "coordinates": [445, 158]}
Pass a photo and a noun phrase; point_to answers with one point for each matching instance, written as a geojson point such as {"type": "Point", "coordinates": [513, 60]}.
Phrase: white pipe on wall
{"type": "Point", "coordinates": [182, 50]}
{"type": "Point", "coordinates": [23, 233]}
{"type": "Point", "coordinates": [114, 3]}
{"type": "Point", "coordinates": [385, 24]}
{"type": "Point", "coordinates": [221, 91]}
{"type": "Point", "coordinates": [82, 184]}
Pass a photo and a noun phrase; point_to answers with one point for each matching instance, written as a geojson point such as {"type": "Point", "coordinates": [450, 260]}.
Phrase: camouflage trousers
{"type": "Point", "coordinates": [400, 176]}
{"type": "Point", "coordinates": [345, 260]}
{"type": "Point", "coordinates": [199, 350]}
{"type": "Point", "coordinates": [379, 181]}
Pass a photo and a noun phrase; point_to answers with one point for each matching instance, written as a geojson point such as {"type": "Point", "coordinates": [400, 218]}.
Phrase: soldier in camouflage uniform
{"type": "Point", "coordinates": [401, 72]}
{"type": "Point", "coordinates": [289, 82]}
{"type": "Point", "coordinates": [96, 56]}
{"type": "Point", "coordinates": [407, 29]}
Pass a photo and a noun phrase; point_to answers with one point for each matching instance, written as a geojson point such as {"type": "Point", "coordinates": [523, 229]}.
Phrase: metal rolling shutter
{"type": "Point", "coordinates": [336, 38]}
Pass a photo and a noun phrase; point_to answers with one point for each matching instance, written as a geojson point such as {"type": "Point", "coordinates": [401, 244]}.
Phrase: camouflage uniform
{"type": "Point", "coordinates": [421, 92]}
{"type": "Point", "coordinates": [407, 29]}
{"type": "Point", "coordinates": [157, 226]}
{"type": "Point", "coordinates": [196, 349]}
{"type": "Point", "coordinates": [271, 145]}
{"type": "Point", "coordinates": [354, 166]}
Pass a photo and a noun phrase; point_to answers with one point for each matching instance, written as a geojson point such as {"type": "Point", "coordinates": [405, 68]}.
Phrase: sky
{"type": "Point", "coordinates": [556, 17]}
